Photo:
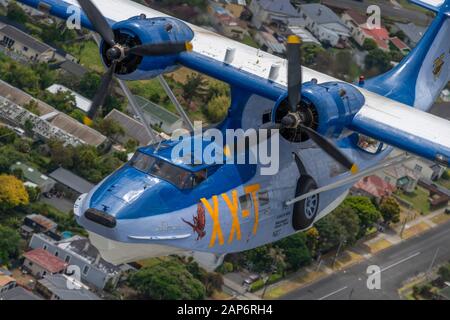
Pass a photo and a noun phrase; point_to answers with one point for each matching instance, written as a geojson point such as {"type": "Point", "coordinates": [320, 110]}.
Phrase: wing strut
{"type": "Point", "coordinates": [354, 178]}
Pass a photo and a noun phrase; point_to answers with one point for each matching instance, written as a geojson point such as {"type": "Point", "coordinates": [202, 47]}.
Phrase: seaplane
{"type": "Point", "coordinates": [329, 134]}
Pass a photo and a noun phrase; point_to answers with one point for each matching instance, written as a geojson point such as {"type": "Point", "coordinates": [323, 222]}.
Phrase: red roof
{"type": "Point", "coordinates": [399, 43]}
{"type": "Point", "coordinates": [45, 260]}
{"type": "Point", "coordinates": [375, 186]}
{"type": "Point", "coordinates": [379, 35]}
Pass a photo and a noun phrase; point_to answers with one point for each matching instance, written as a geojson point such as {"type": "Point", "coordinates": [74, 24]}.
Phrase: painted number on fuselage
{"type": "Point", "coordinates": [233, 206]}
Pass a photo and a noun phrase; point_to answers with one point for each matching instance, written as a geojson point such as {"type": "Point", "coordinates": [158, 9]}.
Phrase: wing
{"type": "Point", "coordinates": [381, 118]}
{"type": "Point", "coordinates": [404, 127]}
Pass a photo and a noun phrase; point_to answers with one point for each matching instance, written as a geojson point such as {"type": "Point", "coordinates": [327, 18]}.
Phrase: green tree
{"type": "Point", "coordinates": [369, 44]}
{"type": "Point", "coordinates": [350, 222]}
{"type": "Point", "coordinates": [217, 108]}
{"type": "Point", "coordinates": [16, 13]}
{"type": "Point", "coordinates": [366, 211]}
{"type": "Point", "coordinates": [296, 251]}
{"type": "Point", "coordinates": [7, 136]}
{"type": "Point", "coordinates": [109, 127]}
{"type": "Point", "coordinates": [390, 210]}
{"type": "Point", "coordinates": [258, 259]}
{"type": "Point", "coordinates": [378, 59]}
{"type": "Point", "coordinates": [194, 87]}
{"type": "Point", "coordinates": [60, 155]}
{"type": "Point", "coordinates": [89, 84]}
{"type": "Point", "coordinates": [331, 233]}
{"type": "Point", "coordinates": [62, 100]}
{"type": "Point", "coordinates": [9, 244]}
{"type": "Point", "coordinates": [168, 280]}
{"type": "Point", "coordinates": [444, 272]}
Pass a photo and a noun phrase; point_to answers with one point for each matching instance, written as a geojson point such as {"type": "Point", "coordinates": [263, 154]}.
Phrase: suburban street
{"type": "Point", "coordinates": [398, 264]}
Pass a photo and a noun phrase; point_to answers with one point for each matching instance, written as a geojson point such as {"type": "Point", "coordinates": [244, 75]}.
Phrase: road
{"type": "Point", "coordinates": [387, 10]}
{"type": "Point", "coordinates": [398, 264]}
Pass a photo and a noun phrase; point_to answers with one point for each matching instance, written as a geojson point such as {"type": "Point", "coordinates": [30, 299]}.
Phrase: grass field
{"type": "Point", "coordinates": [419, 199]}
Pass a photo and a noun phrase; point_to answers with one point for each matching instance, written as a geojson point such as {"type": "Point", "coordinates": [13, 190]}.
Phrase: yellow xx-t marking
{"type": "Point", "coordinates": [233, 206]}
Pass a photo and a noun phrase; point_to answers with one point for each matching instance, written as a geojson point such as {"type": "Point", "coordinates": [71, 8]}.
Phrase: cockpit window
{"type": "Point", "coordinates": [180, 177]}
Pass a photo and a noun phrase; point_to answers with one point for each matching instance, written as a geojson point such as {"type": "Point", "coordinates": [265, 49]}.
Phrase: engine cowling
{"type": "Point", "coordinates": [327, 108]}
{"type": "Point", "coordinates": [142, 30]}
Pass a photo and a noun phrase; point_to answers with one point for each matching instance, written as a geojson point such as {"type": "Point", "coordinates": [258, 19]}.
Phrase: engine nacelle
{"type": "Point", "coordinates": [141, 30]}
{"type": "Point", "coordinates": [329, 108]}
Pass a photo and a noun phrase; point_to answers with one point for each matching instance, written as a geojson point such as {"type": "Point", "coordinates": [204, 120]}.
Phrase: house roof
{"type": "Point", "coordinates": [399, 43]}
{"type": "Point", "coordinates": [133, 128]}
{"type": "Point", "coordinates": [283, 7]}
{"type": "Point", "coordinates": [73, 68]}
{"type": "Point", "coordinates": [412, 31]}
{"type": "Point", "coordinates": [359, 18]}
{"type": "Point", "coordinates": [32, 175]}
{"type": "Point", "coordinates": [25, 39]}
{"type": "Point", "coordinates": [375, 186]}
{"type": "Point", "coordinates": [81, 102]}
{"type": "Point", "coordinates": [5, 280]}
{"type": "Point", "coordinates": [18, 293]}
{"type": "Point", "coordinates": [42, 221]}
{"type": "Point", "coordinates": [46, 260]}
{"type": "Point", "coordinates": [401, 171]}
{"type": "Point", "coordinates": [57, 284]}
{"type": "Point", "coordinates": [71, 180]}
{"type": "Point", "coordinates": [321, 14]}
{"type": "Point", "coordinates": [379, 35]}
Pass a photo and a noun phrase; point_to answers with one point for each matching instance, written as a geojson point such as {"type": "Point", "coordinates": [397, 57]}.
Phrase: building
{"type": "Point", "coordinates": [72, 185]}
{"type": "Point", "coordinates": [400, 45]}
{"type": "Point", "coordinates": [6, 283]}
{"type": "Point", "coordinates": [36, 223]}
{"type": "Point", "coordinates": [402, 177]}
{"type": "Point", "coordinates": [72, 68]}
{"type": "Point", "coordinates": [77, 251]}
{"type": "Point", "coordinates": [439, 196]}
{"type": "Point", "coordinates": [18, 293]}
{"type": "Point", "coordinates": [55, 287]}
{"type": "Point", "coordinates": [134, 129]}
{"type": "Point", "coordinates": [426, 169]}
{"type": "Point", "coordinates": [225, 22]}
{"type": "Point", "coordinates": [373, 186]}
{"type": "Point", "coordinates": [325, 25]}
{"type": "Point", "coordinates": [277, 12]}
{"type": "Point", "coordinates": [412, 32]}
{"type": "Point", "coordinates": [158, 116]}
{"type": "Point", "coordinates": [13, 39]}
{"type": "Point", "coordinates": [305, 35]}
{"type": "Point", "coordinates": [40, 262]}
{"type": "Point", "coordinates": [50, 122]}
{"type": "Point", "coordinates": [269, 43]}
{"type": "Point", "coordinates": [81, 102]}
{"type": "Point", "coordinates": [33, 177]}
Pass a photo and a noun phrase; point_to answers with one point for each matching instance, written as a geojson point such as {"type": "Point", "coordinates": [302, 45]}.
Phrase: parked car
{"type": "Point", "coordinates": [447, 211]}
{"type": "Point", "coordinates": [251, 279]}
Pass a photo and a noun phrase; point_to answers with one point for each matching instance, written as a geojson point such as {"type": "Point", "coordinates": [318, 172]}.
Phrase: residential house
{"type": "Point", "coordinates": [269, 43]}
{"type": "Point", "coordinates": [158, 116]}
{"type": "Point", "coordinates": [81, 102]}
{"type": "Point", "coordinates": [63, 287]}
{"type": "Point", "coordinates": [13, 39]}
{"type": "Point", "coordinates": [400, 45]}
{"type": "Point", "coordinates": [73, 68]}
{"type": "Point", "coordinates": [325, 25]}
{"type": "Point", "coordinates": [40, 262]}
{"type": "Point", "coordinates": [70, 184]}
{"type": "Point", "coordinates": [18, 293]}
{"type": "Point", "coordinates": [426, 169]}
{"type": "Point", "coordinates": [6, 283]}
{"type": "Point", "coordinates": [225, 22]}
{"type": "Point", "coordinates": [133, 129]}
{"type": "Point", "coordinates": [33, 177]}
{"type": "Point", "coordinates": [412, 32]}
{"type": "Point", "coordinates": [373, 186]}
{"type": "Point", "coordinates": [402, 177]}
{"type": "Point", "coordinates": [277, 12]}
{"type": "Point", "coordinates": [77, 251]}
{"type": "Point", "coordinates": [305, 35]}
{"type": "Point", "coordinates": [36, 223]}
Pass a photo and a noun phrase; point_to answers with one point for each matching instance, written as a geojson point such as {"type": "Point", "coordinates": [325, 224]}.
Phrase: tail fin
{"type": "Point", "coordinates": [422, 75]}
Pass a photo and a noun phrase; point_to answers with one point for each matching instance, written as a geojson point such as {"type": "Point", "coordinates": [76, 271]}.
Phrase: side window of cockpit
{"type": "Point", "coordinates": [142, 162]}
{"type": "Point", "coordinates": [370, 145]}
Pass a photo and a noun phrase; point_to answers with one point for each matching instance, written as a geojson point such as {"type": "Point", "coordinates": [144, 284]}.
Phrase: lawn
{"type": "Point", "coordinates": [88, 54]}
{"type": "Point", "coordinates": [248, 40]}
{"type": "Point", "coordinates": [419, 199]}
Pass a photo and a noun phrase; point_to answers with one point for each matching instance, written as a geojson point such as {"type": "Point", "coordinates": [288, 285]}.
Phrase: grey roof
{"type": "Point", "coordinates": [25, 39]}
{"type": "Point", "coordinates": [279, 6]}
{"type": "Point", "coordinates": [57, 284]}
{"type": "Point", "coordinates": [71, 180]}
{"type": "Point", "coordinates": [73, 68]}
{"type": "Point", "coordinates": [32, 175]}
{"type": "Point", "coordinates": [18, 293]}
{"type": "Point", "coordinates": [412, 31]}
{"type": "Point", "coordinates": [320, 13]}
{"type": "Point", "coordinates": [133, 128]}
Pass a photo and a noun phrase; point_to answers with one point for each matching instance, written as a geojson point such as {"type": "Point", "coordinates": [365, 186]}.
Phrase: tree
{"type": "Point", "coordinates": [194, 87]}
{"type": "Point", "coordinates": [295, 250]}
{"type": "Point", "coordinates": [168, 280]}
{"type": "Point", "coordinates": [12, 193]}
{"type": "Point", "coordinates": [33, 107]}
{"type": "Point", "coordinates": [62, 100]}
{"type": "Point", "coordinates": [312, 240]}
{"type": "Point", "coordinates": [60, 155]}
{"type": "Point", "coordinates": [9, 244]}
{"type": "Point", "coordinates": [390, 210]}
{"type": "Point", "coordinates": [89, 84]}
{"type": "Point", "coordinates": [217, 108]}
{"type": "Point", "coordinates": [444, 272]}
{"type": "Point", "coordinates": [331, 233]}
{"type": "Point", "coordinates": [350, 222]}
{"type": "Point", "coordinates": [109, 127]}
{"type": "Point", "coordinates": [16, 13]}
{"type": "Point", "coordinates": [7, 136]}
{"type": "Point", "coordinates": [378, 59]}
{"type": "Point", "coordinates": [258, 259]}
{"type": "Point", "coordinates": [369, 44]}
{"type": "Point", "coordinates": [366, 211]}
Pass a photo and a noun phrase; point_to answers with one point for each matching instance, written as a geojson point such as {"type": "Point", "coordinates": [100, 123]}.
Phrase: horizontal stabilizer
{"type": "Point", "coordinates": [433, 5]}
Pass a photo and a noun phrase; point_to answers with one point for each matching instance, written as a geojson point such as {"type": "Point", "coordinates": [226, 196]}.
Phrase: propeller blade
{"type": "Point", "coordinates": [98, 21]}
{"type": "Point", "coordinates": [102, 92]}
{"type": "Point", "coordinates": [160, 49]}
{"type": "Point", "coordinates": [294, 71]}
{"type": "Point", "coordinates": [333, 151]}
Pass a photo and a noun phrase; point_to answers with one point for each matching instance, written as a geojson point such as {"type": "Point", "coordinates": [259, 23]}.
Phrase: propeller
{"type": "Point", "coordinates": [118, 52]}
{"type": "Point", "coordinates": [296, 118]}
